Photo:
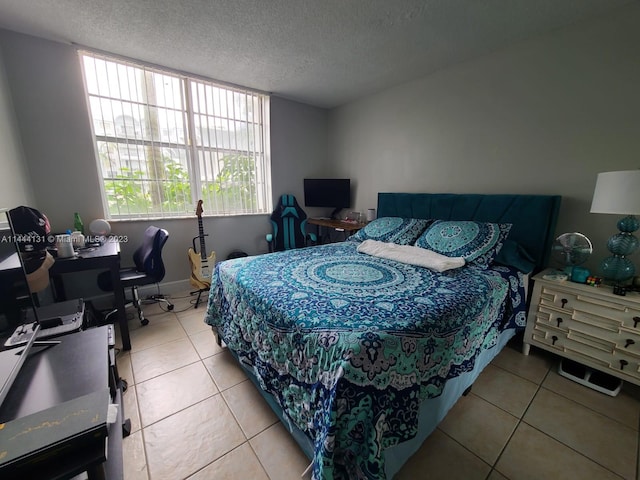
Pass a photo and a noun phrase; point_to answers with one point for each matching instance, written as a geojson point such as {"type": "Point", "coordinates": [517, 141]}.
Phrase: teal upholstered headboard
{"type": "Point", "coordinates": [533, 216]}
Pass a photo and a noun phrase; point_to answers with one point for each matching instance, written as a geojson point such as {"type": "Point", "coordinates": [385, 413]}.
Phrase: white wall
{"type": "Point", "coordinates": [15, 186]}
{"type": "Point", "coordinates": [53, 123]}
{"type": "Point", "coordinates": [541, 117]}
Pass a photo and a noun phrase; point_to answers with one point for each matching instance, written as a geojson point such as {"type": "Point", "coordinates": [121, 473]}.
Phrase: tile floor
{"type": "Point", "coordinates": [196, 416]}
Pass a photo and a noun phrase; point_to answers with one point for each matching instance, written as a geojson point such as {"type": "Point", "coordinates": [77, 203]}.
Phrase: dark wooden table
{"type": "Point", "coordinates": [348, 228]}
{"type": "Point", "coordinates": [56, 386]}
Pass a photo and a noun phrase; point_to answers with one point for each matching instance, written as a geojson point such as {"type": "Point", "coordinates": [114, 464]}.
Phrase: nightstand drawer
{"type": "Point", "coordinates": [626, 365]}
{"type": "Point", "coordinates": [562, 300]}
{"type": "Point", "coordinates": [628, 343]}
{"type": "Point", "coordinates": [595, 327]}
{"type": "Point", "coordinates": [550, 338]}
{"type": "Point", "coordinates": [591, 343]}
{"type": "Point", "coordinates": [605, 323]}
{"type": "Point", "coordinates": [555, 318]}
{"type": "Point", "coordinates": [607, 310]}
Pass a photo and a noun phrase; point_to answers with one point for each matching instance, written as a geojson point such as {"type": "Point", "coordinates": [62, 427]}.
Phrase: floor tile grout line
{"type": "Point", "coordinates": [573, 449]}
{"type": "Point", "coordinates": [565, 396]}
{"type": "Point", "coordinates": [144, 446]}
{"type": "Point", "coordinates": [462, 445]}
{"type": "Point", "coordinates": [236, 418]}
{"type": "Point", "coordinates": [224, 399]}
{"type": "Point", "coordinates": [264, 469]}
{"type": "Point", "coordinates": [142, 428]}
{"type": "Point", "coordinates": [137, 400]}
{"type": "Point", "coordinates": [595, 412]}
{"type": "Point", "coordinates": [178, 411]}
{"type": "Point", "coordinates": [220, 458]}
{"type": "Point", "coordinates": [172, 371]}
{"type": "Point", "coordinates": [589, 408]}
{"type": "Point", "coordinates": [520, 420]}
{"type": "Point", "coordinates": [248, 440]}
{"type": "Point", "coordinates": [515, 373]}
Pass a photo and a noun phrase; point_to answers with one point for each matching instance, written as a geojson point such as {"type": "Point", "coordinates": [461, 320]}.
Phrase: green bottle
{"type": "Point", "coordinates": [78, 226]}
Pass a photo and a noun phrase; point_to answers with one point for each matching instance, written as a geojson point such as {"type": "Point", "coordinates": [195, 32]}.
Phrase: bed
{"type": "Point", "coordinates": [361, 356]}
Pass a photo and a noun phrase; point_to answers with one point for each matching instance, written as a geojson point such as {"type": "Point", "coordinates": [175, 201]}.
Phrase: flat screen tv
{"type": "Point", "coordinates": [327, 192]}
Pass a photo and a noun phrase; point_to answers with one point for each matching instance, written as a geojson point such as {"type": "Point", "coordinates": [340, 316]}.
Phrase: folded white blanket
{"type": "Point", "coordinates": [411, 255]}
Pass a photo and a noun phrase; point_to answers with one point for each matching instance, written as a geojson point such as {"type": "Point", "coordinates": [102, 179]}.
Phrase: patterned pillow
{"type": "Point", "coordinates": [477, 242]}
{"type": "Point", "coordinates": [514, 255]}
{"type": "Point", "coordinates": [403, 231]}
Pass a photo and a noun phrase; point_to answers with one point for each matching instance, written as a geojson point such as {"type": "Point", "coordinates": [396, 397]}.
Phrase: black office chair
{"type": "Point", "coordinates": [148, 269]}
{"type": "Point", "coordinates": [289, 226]}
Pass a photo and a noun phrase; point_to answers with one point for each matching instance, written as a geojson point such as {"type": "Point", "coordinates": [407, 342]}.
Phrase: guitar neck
{"type": "Point", "coordinates": [203, 250]}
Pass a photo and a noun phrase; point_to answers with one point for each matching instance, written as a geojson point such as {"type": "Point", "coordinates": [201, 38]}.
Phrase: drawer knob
{"type": "Point", "coordinates": [623, 363]}
{"type": "Point", "coordinates": [563, 302]}
{"type": "Point", "coordinates": [635, 322]}
{"type": "Point", "coordinates": [554, 339]}
{"type": "Point", "coordinates": [559, 321]}
{"type": "Point", "coordinates": [628, 342]}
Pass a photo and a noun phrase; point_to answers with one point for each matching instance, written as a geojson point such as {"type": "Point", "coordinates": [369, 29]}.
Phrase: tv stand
{"type": "Point", "coordinates": [334, 214]}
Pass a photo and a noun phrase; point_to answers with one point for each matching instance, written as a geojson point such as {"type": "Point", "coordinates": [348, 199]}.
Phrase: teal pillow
{"type": "Point", "coordinates": [402, 231]}
{"type": "Point", "coordinates": [477, 242]}
{"type": "Point", "coordinates": [512, 254]}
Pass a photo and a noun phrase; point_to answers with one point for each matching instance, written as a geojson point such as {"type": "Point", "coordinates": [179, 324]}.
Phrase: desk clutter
{"type": "Point", "coordinates": [45, 258]}
{"type": "Point", "coordinates": [53, 320]}
{"type": "Point", "coordinates": [67, 247]}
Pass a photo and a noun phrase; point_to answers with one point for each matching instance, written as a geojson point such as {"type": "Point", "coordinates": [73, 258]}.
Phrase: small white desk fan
{"type": "Point", "coordinates": [570, 250]}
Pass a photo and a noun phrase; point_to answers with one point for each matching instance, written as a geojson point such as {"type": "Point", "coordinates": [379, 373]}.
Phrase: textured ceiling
{"type": "Point", "coordinates": [320, 52]}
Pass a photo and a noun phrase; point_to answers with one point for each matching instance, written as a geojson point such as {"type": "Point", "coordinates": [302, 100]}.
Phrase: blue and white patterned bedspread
{"type": "Point", "coordinates": [349, 344]}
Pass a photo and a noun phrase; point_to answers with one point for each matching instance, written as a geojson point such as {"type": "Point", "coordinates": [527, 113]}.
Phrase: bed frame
{"type": "Point", "coordinates": [533, 218]}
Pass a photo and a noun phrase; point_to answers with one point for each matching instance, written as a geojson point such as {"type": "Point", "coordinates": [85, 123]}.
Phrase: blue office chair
{"type": "Point", "coordinates": [289, 226]}
{"type": "Point", "coordinates": [148, 269]}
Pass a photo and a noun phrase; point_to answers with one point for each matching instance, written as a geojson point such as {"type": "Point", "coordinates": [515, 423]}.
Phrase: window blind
{"type": "Point", "coordinates": [165, 140]}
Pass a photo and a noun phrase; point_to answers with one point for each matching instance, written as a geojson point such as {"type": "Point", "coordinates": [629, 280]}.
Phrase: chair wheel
{"type": "Point", "coordinates": [170, 307]}
{"type": "Point", "coordinates": [144, 321]}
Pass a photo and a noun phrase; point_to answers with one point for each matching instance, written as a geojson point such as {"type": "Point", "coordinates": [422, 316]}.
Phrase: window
{"type": "Point", "coordinates": [165, 140]}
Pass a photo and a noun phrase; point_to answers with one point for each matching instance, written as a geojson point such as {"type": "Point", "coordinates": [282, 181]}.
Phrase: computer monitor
{"type": "Point", "coordinates": [327, 192]}
{"type": "Point", "coordinates": [11, 360]}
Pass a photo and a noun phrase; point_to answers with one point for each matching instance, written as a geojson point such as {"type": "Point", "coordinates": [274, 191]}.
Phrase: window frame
{"type": "Point", "coordinates": [213, 158]}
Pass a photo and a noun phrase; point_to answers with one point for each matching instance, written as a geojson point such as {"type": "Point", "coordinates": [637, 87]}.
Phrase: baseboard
{"type": "Point", "coordinates": [166, 288]}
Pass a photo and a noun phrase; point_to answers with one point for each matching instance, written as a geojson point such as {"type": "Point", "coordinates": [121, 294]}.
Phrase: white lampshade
{"type": "Point", "coordinates": [617, 193]}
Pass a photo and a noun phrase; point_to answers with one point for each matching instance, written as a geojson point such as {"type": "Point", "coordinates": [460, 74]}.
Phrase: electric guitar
{"type": "Point", "coordinates": [201, 265]}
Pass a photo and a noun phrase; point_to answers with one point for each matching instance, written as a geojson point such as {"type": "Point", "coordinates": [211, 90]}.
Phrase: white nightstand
{"type": "Point", "coordinates": [587, 324]}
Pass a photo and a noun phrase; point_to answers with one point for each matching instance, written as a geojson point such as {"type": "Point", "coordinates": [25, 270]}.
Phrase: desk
{"type": "Point", "coordinates": [104, 257]}
{"type": "Point", "coordinates": [348, 228]}
{"type": "Point", "coordinates": [59, 404]}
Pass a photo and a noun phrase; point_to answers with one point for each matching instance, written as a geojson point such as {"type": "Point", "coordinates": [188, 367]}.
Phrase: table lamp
{"type": "Point", "coordinates": [619, 193]}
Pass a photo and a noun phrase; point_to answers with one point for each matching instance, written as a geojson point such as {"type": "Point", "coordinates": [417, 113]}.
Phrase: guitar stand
{"type": "Point", "coordinates": [199, 292]}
